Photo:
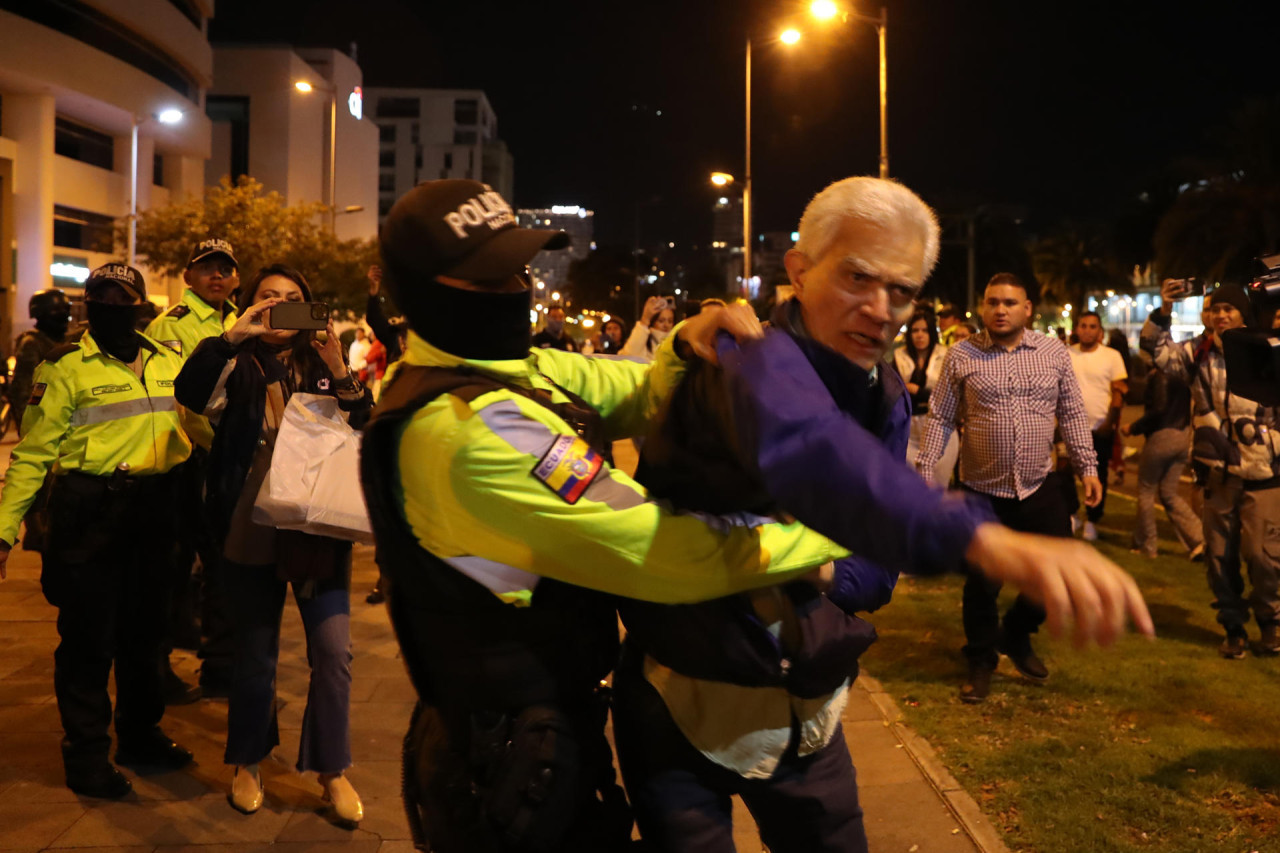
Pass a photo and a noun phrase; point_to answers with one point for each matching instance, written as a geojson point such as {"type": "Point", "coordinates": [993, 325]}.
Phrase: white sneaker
{"type": "Point", "coordinates": [1075, 525]}
{"type": "Point", "coordinates": [1090, 532]}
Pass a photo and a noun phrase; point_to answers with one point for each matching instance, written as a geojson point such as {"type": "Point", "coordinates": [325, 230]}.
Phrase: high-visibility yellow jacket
{"type": "Point", "coordinates": [90, 412]}
{"type": "Point", "coordinates": [504, 491]}
{"type": "Point", "coordinates": [182, 328]}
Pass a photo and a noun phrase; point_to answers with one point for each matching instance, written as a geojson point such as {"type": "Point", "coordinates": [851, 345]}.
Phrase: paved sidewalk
{"type": "Point", "coordinates": [171, 812]}
{"type": "Point", "coordinates": [911, 802]}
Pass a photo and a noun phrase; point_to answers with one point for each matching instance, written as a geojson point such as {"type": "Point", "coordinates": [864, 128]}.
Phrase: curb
{"type": "Point", "coordinates": [963, 806]}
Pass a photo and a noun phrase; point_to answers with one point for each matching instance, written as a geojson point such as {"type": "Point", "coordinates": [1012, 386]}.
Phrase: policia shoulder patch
{"type": "Point", "coordinates": [569, 467]}
{"type": "Point", "coordinates": [37, 394]}
{"type": "Point", "coordinates": [178, 312]}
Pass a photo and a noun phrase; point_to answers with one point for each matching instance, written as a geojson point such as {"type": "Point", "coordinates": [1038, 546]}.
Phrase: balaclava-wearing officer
{"type": "Point", "coordinates": [112, 306]}
{"type": "Point", "coordinates": [52, 312]}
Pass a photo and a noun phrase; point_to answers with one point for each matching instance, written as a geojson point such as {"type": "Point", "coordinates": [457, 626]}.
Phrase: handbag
{"type": "Point", "coordinates": [313, 485]}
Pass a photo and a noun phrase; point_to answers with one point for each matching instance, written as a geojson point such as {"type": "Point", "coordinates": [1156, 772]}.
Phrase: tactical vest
{"type": "Point", "coordinates": [463, 646]}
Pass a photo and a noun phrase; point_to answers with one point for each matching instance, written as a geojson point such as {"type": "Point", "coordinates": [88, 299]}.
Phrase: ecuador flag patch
{"type": "Point", "coordinates": [569, 467]}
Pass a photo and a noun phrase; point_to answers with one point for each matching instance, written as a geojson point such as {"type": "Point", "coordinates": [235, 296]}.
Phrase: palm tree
{"type": "Point", "coordinates": [1074, 261]}
{"type": "Point", "coordinates": [1229, 212]}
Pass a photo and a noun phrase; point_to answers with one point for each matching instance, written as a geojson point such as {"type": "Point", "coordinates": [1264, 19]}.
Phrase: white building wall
{"type": "Point", "coordinates": [289, 129]}
{"type": "Point", "coordinates": [45, 74]}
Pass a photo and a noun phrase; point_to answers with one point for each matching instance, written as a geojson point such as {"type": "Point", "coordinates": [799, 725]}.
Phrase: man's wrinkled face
{"type": "Point", "coordinates": [856, 297]}
{"type": "Point", "coordinates": [1005, 309]}
{"type": "Point", "coordinates": [1089, 331]}
{"type": "Point", "coordinates": [213, 279]}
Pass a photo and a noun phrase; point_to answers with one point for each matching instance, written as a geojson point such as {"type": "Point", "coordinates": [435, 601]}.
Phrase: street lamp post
{"type": "Point", "coordinates": [305, 87]}
{"type": "Point", "coordinates": [746, 185]}
{"type": "Point", "coordinates": [169, 116]}
{"type": "Point", "coordinates": [827, 9]}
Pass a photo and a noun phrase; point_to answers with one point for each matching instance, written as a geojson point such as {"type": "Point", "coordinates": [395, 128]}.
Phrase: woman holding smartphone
{"type": "Point", "coordinates": [655, 323]}
{"type": "Point", "coordinates": [242, 382]}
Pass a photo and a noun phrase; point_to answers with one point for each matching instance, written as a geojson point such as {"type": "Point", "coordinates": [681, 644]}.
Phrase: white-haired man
{"type": "Point", "coordinates": [743, 695]}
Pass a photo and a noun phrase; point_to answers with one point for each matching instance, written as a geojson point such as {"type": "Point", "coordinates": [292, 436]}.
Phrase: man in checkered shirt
{"type": "Point", "coordinates": [1009, 384]}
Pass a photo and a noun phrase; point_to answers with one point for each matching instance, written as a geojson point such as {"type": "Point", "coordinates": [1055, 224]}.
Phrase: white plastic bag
{"type": "Point", "coordinates": [314, 482]}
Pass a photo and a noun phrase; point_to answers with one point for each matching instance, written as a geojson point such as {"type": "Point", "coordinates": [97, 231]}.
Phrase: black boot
{"type": "Point", "coordinates": [99, 779]}
{"type": "Point", "coordinates": [153, 749]}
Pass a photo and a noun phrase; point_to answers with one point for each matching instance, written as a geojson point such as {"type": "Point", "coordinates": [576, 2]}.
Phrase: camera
{"type": "Point", "coordinates": [1253, 353]}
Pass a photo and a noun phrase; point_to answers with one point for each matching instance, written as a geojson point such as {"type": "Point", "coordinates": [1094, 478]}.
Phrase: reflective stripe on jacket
{"type": "Point", "coordinates": [471, 497]}
{"type": "Point", "coordinates": [90, 412]}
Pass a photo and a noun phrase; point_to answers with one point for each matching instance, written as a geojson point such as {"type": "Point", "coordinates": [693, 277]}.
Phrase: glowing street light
{"type": "Point", "coordinates": [306, 88]}
{"type": "Point", "coordinates": [823, 10]}
{"type": "Point", "coordinates": [721, 179]}
{"type": "Point", "coordinates": [826, 10]}
{"type": "Point", "coordinates": [555, 296]}
{"type": "Point", "coordinates": [169, 115]}
{"type": "Point", "coordinates": [789, 36]}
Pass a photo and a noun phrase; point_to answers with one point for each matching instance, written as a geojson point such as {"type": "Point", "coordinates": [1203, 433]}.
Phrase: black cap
{"type": "Point", "coordinates": [1234, 294]}
{"type": "Point", "coordinates": [212, 246]}
{"type": "Point", "coordinates": [462, 229]}
{"type": "Point", "coordinates": [116, 273]}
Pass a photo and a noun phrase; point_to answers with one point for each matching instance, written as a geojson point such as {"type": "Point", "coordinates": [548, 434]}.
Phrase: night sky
{"type": "Point", "coordinates": [1066, 108]}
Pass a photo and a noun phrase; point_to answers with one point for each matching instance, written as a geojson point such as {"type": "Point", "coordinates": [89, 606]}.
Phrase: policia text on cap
{"type": "Point", "coordinates": [102, 421]}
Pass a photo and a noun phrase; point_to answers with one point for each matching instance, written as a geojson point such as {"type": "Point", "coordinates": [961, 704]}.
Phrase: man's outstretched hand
{"type": "Point", "coordinates": [1070, 579]}
{"type": "Point", "coordinates": [738, 319]}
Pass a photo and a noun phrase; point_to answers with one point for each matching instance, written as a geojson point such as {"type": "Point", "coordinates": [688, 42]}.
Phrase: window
{"type": "Point", "coordinates": [386, 133]}
{"type": "Point", "coordinates": [414, 131]}
{"type": "Point", "coordinates": [398, 107]}
{"type": "Point", "coordinates": [386, 183]}
{"type": "Point", "coordinates": [448, 159]}
{"type": "Point", "coordinates": [384, 205]}
{"type": "Point", "coordinates": [233, 109]}
{"type": "Point", "coordinates": [466, 111]}
{"type": "Point", "coordinates": [464, 137]}
{"type": "Point", "coordinates": [417, 158]}
{"type": "Point", "coordinates": [74, 140]}
{"type": "Point", "coordinates": [80, 229]}
{"type": "Point", "coordinates": [387, 159]}
{"type": "Point", "coordinates": [157, 170]}
{"type": "Point", "coordinates": [84, 23]}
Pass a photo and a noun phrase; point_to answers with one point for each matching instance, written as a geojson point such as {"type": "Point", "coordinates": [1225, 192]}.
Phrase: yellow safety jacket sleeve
{"type": "Point", "coordinates": [182, 328]}
{"type": "Point", "coordinates": [90, 412]}
{"type": "Point", "coordinates": [473, 498]}
{"type": "Point", "coordinates": [625, 393]}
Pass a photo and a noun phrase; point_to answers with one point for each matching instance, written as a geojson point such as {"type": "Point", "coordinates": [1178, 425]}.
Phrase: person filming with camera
{"type": "Point", "coordinates": [1236, 445]}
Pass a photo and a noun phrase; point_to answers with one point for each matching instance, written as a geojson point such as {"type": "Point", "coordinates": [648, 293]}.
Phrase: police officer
{"type": "Point", "coordinates": [52, 312]}
{"type": "Point", "coordinates": [205, 311]}
{"type": "Point", "coordinates": [102, 422]}
{"type": "Point", "coordinates": [497, 513]}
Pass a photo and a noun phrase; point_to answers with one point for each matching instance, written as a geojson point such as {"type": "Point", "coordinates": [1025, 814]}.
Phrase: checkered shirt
{"type": "Point", "coordinates": [1008, 400]}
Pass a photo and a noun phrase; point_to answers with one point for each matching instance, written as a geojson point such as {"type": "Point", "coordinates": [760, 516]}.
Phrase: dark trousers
{"type": "Point", "coordinates": [1040, 512]}
{"type": "Point", "coordinates": [325, 606]}
{"type": "Point", "coordinates": [681, 799]}
{"type": "Point", "coordinates": [1103, 447]}
{"type": "Point", "coordinates": [105, 569]}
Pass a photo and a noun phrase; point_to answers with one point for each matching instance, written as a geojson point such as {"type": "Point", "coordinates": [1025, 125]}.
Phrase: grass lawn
{"type": "Point", "coordinates": [1150, 745]}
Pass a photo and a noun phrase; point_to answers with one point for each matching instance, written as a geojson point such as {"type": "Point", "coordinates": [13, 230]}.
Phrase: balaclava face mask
{"type": "Point", "coordinates": [54, 327]}
{"type": "Point", "coordinates": [112, 326]}
{"type": "Point", "coordinates": [501, 331]}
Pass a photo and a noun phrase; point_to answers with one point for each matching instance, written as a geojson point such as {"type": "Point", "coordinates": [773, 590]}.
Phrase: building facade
{"type": "Point", "coordinates": [266, 127]}
{"type": "Point", "coordinates": [552, 268]}
{"type": "Point", "coordinates": [430, 134]}
{"type": "Point", "coordinates": [75, 81]}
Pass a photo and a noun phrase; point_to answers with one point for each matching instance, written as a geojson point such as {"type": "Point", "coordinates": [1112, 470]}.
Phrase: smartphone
{"type": "Point", "coordinates": [299, 315]}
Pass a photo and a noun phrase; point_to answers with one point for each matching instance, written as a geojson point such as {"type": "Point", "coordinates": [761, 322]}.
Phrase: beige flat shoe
{"type": "Point", "coordinates": [246, 789]}
{"type": "Point", "coordinates": [346, 802]}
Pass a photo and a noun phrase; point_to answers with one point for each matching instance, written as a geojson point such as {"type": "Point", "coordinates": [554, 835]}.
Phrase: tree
{"type": "Point", "coordinates": [263, 230]}
{"type": "Point", "coordinates": [1076, 260]}
{"type": "Point", "coordinates": [1228, 210]}
{"type": "Point", "coordinates": [604, 280]}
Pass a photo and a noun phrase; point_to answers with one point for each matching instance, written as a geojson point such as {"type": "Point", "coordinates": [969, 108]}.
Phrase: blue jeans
{"type": "Point", "coordinates": [257, 603]}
